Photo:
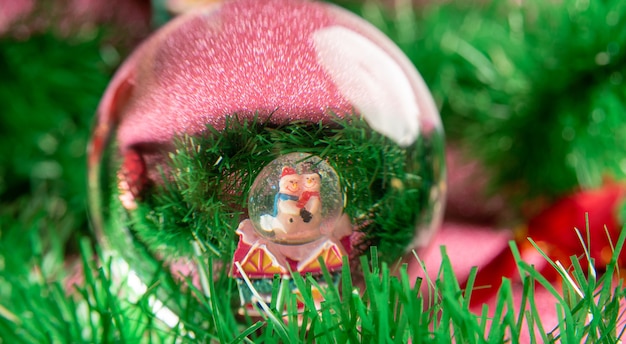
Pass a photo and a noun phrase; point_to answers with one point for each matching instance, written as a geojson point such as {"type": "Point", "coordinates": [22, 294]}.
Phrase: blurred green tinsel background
{"type": "Point", "coordinates": [56, 59]}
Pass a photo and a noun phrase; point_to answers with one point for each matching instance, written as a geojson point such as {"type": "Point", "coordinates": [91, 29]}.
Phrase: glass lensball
{"type": "Point", "coordinates": [194, 131]}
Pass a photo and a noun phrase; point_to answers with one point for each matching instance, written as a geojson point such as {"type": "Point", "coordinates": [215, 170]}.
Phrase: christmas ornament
{"type": "Point", "coordinates": [585, 224]}
{"type": "Point", "coordinates": [267, 134]}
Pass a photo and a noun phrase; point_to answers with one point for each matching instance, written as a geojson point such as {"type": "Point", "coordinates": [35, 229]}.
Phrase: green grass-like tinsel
{"type": "Point", "coordinates": [390, 309]}
{"type": "Point", "coordinates": [205, 189]}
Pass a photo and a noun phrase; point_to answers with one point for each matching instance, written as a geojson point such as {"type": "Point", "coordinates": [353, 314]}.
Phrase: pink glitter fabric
{"type": "Point", "coordinates": [247, 57]}
{"type": "Point", "coordinates": [214, 65]}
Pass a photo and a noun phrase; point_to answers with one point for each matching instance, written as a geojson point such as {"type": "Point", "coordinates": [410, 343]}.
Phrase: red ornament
{"type": "Point", "coordinates": [555, 225]}
{"type": "Point", "coordinates": [554, 230]}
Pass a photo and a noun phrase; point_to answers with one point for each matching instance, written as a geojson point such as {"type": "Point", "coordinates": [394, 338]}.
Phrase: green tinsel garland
{"type": "Point", "coordinates": [49, 87]}
{"type": "Point", "coordinates": [204, 196]}
{"type": "Point", "coordinates": [533, 89]}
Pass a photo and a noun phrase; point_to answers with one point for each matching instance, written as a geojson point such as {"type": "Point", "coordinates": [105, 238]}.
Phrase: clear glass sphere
{"type": "Point", "coordinates": [195, 131]}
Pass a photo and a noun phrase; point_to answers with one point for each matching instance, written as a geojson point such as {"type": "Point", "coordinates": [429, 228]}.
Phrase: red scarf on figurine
{"type": "Point", "coordinates": [305, 197]}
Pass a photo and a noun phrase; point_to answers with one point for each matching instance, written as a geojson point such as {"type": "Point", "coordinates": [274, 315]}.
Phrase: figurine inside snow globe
{"type": "Point", "coordinates": [296, 219]}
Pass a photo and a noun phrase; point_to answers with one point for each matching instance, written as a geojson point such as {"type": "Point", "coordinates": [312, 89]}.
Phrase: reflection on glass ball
{"type": "Point", "coordinates": [295, 199]}
{"type": "Point", "coordinates": [196, 128]}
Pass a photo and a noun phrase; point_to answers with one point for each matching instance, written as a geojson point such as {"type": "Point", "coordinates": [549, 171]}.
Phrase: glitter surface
{"type": "Point", "coordinates": [266, 58]}
{"type": "Point", "coordinates": [237, 59]}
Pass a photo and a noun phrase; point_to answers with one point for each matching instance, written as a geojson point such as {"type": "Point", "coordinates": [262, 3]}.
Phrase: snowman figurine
{"type": "Point", "coordinates": [295, 220]}
{"type": "Point", "coordinates": [285, 217]}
